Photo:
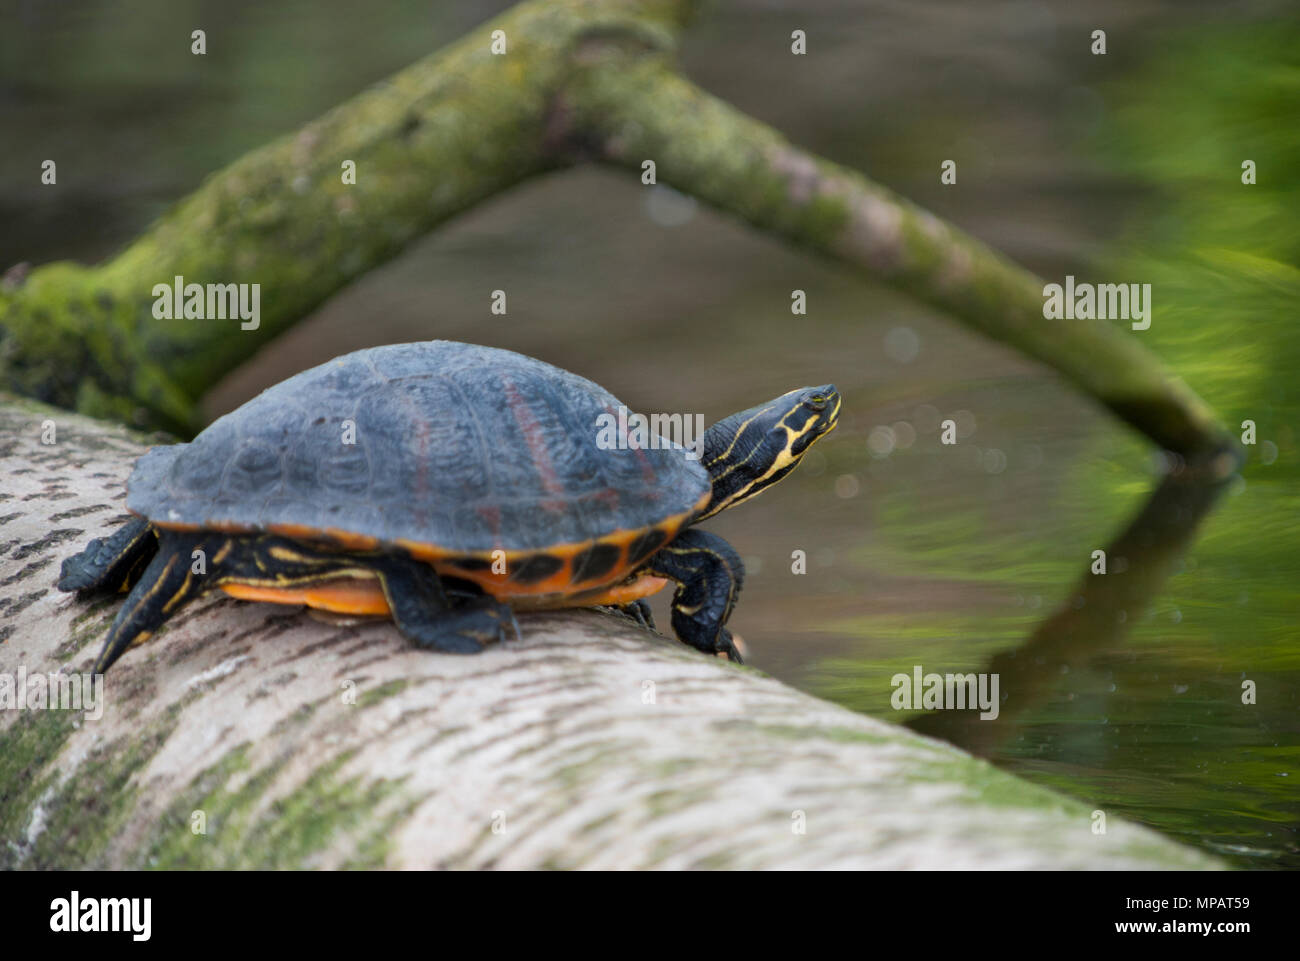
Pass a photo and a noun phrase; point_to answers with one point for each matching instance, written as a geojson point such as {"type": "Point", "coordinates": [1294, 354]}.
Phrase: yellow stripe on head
{"type": "Point", "coordinates": [748, 452]}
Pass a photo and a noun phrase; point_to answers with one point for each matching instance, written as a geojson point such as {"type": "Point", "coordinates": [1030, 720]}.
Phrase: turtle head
{"type": "Point", "coordinates": [750, 451]}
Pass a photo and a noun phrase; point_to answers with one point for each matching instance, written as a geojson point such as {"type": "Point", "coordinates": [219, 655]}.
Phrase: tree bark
{"type": "Point", "coordinates": [580, 79]}
{"type": "Point", "coordinates": [248, 735]}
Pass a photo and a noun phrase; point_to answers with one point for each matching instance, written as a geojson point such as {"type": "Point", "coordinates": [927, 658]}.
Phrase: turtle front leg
{"type": "Point", "coordinates": [167, 583]}
{"type": "Point", "coordinates": [111, 565]}
{"type": "Point", "coordinates": [709, 576]}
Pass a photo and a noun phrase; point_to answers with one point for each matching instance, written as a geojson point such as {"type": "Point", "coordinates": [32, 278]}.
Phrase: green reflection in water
{"type": "Point", "coordinates": [1129, 695]}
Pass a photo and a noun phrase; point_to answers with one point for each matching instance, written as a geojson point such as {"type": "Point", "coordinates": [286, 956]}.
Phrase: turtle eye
{"type": "Point", "coordinates": [817, 402]}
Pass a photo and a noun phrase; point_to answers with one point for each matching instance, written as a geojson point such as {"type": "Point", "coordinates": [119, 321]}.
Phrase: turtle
{"type": "Point", "coordinates": [444, 485]}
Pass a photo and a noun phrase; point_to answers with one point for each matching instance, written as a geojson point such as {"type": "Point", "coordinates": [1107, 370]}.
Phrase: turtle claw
{"type": "Point", "coordinates": [112, 564]}
{"type": "Point", "coordinates": [726, 646]}
{"type": "Point", "coordinates": [75, 573]}
{"type": "Point", "coordinates": [638, 611]}
{"type": "Point", "coordinates": [458, 633]}
{"type": "Point", "coordinates": [514, 626]}
{"type": "Point", "coordinates": [470, 626]}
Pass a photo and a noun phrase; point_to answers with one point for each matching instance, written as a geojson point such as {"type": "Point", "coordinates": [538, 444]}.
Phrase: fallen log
{"type": "Point", "coordinates": [248, 735]}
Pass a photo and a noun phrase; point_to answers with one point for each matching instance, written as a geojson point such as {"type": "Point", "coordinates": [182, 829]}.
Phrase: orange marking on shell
{"type": "Point", "coordinates": [351, 541]}
{"type": "Point", "coordinates": [205, 526]}
{"type": "Point", "coordinates": [299, 532]}
{"type": "Point", "coordinates": [343, 538]}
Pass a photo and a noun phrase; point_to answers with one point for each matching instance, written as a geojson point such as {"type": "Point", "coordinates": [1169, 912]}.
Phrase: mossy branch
{"type": "Point", "coordinates": [580, 78]}
{"type": "Point", "coordinates": [704, 147]}
{"type": "Point", "coordinates": [431, 141]}
{"type": "Point", "coordinates": [252, 736]}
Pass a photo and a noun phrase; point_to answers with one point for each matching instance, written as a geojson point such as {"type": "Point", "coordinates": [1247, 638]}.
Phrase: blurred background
{"type": "Point", "coordinates": [1117, 168]}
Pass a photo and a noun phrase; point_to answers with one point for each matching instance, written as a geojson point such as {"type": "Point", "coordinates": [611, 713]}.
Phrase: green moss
{"type": "Point", "coordinates": [823, 219]}
{"type": "Point", "coordinates": [672, 767]}
{"type": "Point", "coordinates": [78, 821]}
{"type": "Point", "coordinates": [924, 258]}
{"type": "Point", "coordinates": [174, 844]}
{"type": "Point", "coordinates": [243, 832]}
{"type": "Point", "coordinates": [383, 692]}
{"type": "Point", "coordinates": [985, 787]}
{"type": "Point", "coordinates": [375, 850]}
{"type": "Point", "coordinates": [306, 822]}
{"type": "Point", "coordinates": [83, 815]}
{"type": "Point", "coordinates": [566, 777]}
{"type": "Point", "coordinates": [839, 735]}
{"type": "Point", "coordinates": [26, 748]}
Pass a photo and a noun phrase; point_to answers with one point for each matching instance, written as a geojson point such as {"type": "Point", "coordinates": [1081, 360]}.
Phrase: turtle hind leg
{"type": "Point", "coordinates": [114, 564]}
{"type": "Point", "coordinates": [425, 615]}
{"type": "Point", "coordinates": [709, 576]}
{"type": "Point", "coordinates": [164, 585]}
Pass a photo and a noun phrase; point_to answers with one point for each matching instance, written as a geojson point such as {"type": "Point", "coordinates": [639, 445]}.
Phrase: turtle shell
{"type": "Point", "coordinates": [449, 451]}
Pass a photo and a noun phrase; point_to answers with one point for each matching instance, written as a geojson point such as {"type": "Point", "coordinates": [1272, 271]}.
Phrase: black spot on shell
{"type": "Point", "coordinates": [645, 545]}
{"type": "Point", "coordinates": [536, 568]}
{"type": "Point", "coordinates": [594, 562]}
